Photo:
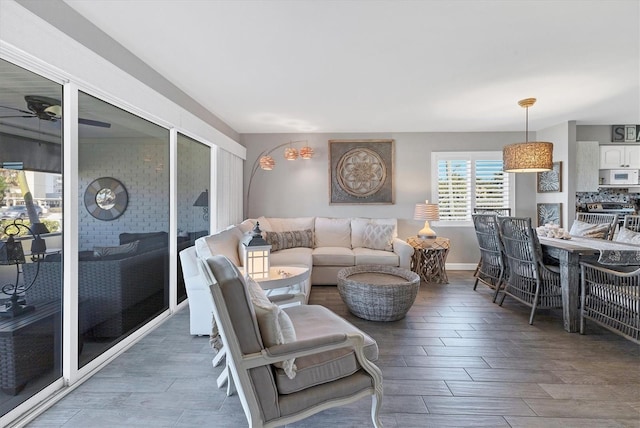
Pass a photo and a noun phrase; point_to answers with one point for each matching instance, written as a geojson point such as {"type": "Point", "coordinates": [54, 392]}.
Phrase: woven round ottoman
{"type": "Point", "coordinates": [378, 293]}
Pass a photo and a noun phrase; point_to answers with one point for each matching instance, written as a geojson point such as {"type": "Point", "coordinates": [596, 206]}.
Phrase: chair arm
{"type": "Point", "coordinates": [302, 348]}
{"type": "Point", "coordinates": [404, 252]}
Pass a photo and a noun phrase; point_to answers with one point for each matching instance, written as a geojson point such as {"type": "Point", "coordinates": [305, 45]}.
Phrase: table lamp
{"type": "Point", "coordinates": [427, 212]}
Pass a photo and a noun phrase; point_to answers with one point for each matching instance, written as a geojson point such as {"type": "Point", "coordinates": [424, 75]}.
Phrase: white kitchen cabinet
{"type": "Point", "coordinates": [618, 156]}
{"type": "Point", "coordinates": [587, 164]}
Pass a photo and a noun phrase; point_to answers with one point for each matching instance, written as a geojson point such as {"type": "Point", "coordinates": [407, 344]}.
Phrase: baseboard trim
{"type": "Point", "coordinates": [461, 266]}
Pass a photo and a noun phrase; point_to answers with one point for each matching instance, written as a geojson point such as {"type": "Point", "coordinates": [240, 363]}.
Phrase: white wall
{"type": "Point", "coordinates": [301, 187]}
{"type": "Point", "coordinates": [560, 135]}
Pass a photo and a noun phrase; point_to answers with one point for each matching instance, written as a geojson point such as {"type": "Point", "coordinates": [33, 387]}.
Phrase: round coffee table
{"type": "Point", "coordinates": [378, 293]}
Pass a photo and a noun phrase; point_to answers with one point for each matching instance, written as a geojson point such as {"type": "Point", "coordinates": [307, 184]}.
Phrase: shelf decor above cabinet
{"type": "Point", "coordinates": [625, 133]}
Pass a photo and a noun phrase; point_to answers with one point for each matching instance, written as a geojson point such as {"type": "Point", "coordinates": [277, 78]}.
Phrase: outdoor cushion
{"type": "Point", "coordinates": [148, 241]}
{"type": "Point", "coordinates": [223, 243]}
{"type": "Point", "coordinates": [313, 321]}
{"type": "Point", "coordinates": [129, 248]}
{"type": "Point", "coordinates": [333, 256]}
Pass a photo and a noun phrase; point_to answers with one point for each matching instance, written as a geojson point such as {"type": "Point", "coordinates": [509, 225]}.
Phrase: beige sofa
{"type": "Point", "coordinates": [337, 243]}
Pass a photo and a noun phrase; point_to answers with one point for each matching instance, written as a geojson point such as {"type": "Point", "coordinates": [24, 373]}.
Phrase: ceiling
{"type": "Point", "coordinates": [389, 66]}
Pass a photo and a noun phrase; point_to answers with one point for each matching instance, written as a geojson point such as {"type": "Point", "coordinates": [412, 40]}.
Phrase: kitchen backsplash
{"type": "Point", "coordinates": [606, 195]}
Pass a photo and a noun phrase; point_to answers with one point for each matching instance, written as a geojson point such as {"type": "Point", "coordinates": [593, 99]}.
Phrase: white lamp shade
{"type": "Point", "coordinates": [427, 212]}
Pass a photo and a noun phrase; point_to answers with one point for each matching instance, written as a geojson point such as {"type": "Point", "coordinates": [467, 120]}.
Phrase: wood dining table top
{"type": "Point", "coordinates": [608, 250]}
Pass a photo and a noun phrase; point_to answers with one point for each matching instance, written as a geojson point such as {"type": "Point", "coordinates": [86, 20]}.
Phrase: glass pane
{"type": "Point", "coordinates": [30, 205]}
{"type": "Point", "coordinates": [194, 168]}
{"type": "Point", "coordinates": [123, 217]}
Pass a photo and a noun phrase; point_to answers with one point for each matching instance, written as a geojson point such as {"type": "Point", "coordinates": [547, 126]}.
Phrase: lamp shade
{"type": "Point", "coordinates": [535, 156]}
{"type": "Point", "coordinates": [426, 211]}
{"type": "Point", "coordinates": [203, 200]}
{"type": "Point", "coordinates": [306, 152]}
{"type": "Point", "coordinates": [290, 153]}
{"type": "Point", "coordinates": [267, 163]}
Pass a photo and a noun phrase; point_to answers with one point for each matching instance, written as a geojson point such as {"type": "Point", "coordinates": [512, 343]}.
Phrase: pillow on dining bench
{"type": "Point", "coordinates": [589, 230]}
{"type": "Point", "coordinates": [628, 236]}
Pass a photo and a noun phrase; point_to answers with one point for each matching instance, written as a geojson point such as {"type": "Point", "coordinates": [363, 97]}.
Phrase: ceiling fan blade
{"type": "Point", "coordinates": [17, 109]}
{"type": "Point", "coordinates": [94, 123]}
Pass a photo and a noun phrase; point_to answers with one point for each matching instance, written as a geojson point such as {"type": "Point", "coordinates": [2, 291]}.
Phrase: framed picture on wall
{"type": "Point", "coordinates": [551, 181]}
{"type": "Point", "coordinates": [549, 213]}
{"type": "Point", "coordinates": [361, 171]}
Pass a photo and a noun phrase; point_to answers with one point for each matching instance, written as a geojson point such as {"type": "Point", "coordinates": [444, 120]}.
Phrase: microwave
{"type": "Point", "coordinates": [616, 177]}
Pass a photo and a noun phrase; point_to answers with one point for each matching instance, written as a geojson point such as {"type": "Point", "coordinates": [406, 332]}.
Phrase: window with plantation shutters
{"type": "Point", "coordinates": [469, 180]}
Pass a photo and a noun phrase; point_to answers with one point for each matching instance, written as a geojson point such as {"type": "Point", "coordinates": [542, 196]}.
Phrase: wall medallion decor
{"type": "Point", "coordinates": [551, 181]}
{"type": "Point", "coordinates": [361, 171]}
{"type": "Point", "coordinates": [549, 213]}
{"type": "Point", "coordinates": [106, 198]}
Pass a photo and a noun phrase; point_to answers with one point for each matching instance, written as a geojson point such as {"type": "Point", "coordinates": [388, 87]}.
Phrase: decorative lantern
{"type": "Point", "coordinates": [256, 254]}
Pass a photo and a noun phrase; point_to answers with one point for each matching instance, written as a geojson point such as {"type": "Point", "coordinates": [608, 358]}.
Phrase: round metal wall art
{"type": "Point", "coordinates": [106, 198]}
{"type": "Point", "coordinates": [361, 172]}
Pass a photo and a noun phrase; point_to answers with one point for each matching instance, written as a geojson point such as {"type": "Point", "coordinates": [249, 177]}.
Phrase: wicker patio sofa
{"type": "Point", "coordinates": [119, 292]}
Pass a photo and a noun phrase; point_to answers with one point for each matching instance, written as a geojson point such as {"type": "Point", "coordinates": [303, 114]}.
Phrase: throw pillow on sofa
{"type": "Point", "coordinates": [358, 225]}
{"type": "Point", "coordinates": [148, 240]}
{"type": "Point", "coordinates": [378, 236]}
{"type": "Point", "coordinates": [289, 239]}
{"type": "Point", "coordinates": [129, 248]}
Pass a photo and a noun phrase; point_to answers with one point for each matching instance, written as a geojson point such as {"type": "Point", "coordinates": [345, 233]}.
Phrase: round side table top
{"type": "Point", "coordinates": [427, 243]}
{"type": "Point", "coordinates": [282, 276]}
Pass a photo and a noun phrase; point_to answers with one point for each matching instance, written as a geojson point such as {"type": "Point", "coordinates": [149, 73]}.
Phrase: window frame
{"type": "Point", "coordinates": [466, 156]}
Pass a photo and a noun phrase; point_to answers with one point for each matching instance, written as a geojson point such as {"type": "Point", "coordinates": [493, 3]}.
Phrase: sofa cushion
{"type": "Point", "coordinates": [333, 232]}
{"type": "Point", "coordinates": [292, 256]}
{"type": "Point", "coordinates": [314, 321]}
{"type": "Point", "coordinates": [223, 243]}
{"type": "Point", "coordinates": [628, 236]}
{"type": "Point", "coordinates": [130, 248]}
{"type": "Point", "coordinates": [358, 225]}
{"type": "Point", "coordinates": [367, 256]}
{"type": "Point", "coordinates": [282, 224]}
{"type": "Point", "coordinates": [333, 256]}
{"type": "Point", "coordinates": [289, 239]}
{"type": "Point", "coordinates": [378, 237]}
{"type": "Point", "coordinates": [246, 226]}
{"type": "Point", "coordinates": [148, 241]}
{"type": "Point", "coordinates": [589, 230]}
{"type": "Point", "coordinates": [275, 325]}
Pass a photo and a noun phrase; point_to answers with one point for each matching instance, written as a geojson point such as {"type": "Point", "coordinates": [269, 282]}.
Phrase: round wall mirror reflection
{"type": "Point", "coordinates": [106, 198]}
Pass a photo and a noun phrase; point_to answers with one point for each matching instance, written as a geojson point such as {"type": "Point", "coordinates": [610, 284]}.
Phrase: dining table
{"type": "Point", "coordinates": [570, 252]}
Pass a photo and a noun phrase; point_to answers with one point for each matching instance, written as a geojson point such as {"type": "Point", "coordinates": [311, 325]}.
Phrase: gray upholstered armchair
{"type": "Point", "coordinates": [332, 357]}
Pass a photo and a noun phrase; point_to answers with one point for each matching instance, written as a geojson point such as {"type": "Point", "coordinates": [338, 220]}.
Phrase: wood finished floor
{"type": "Point", "coordinates": [457, 360]}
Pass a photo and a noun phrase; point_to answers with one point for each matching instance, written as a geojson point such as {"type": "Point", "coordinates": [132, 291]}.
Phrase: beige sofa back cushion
{"type": "Point", "coordinates": [333, 232]}
{"type": "Point", "coordinates": [358, 226]}
{"type": "Point", "coordinates": [277, 224]}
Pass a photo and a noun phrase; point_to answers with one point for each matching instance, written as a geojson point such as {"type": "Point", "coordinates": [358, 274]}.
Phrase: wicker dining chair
{"type": "Point", "coordinates": [600, 218]}
{"type": "Point", "coordinates": [491, 266]}
{"type": "Point", "coordinates": [529, 280]}
{"type": "Point", "coordinates": [611, 299]}
{"type": "Point", "coordinates": [498, 211]}
{"type": "Point", "coordinates": [632, 222]}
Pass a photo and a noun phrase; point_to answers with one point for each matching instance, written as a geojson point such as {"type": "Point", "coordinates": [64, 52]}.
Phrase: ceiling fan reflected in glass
{"type": "Point", "coordinates": [50, 109]}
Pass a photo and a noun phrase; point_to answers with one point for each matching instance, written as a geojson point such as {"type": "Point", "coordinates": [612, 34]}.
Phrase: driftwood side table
{"type": "Point", "coordinates": [429, 258]}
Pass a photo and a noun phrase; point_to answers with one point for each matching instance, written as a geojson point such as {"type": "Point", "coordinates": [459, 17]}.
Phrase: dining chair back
{"type": "Point", "coordinates": [498, 211]}
{"type": "Point", "coordinates": [491, 268]}
{"type": "Point", "coordinates": [611, 298]}
{"type": "Point", "coordinates": [529, 280]}
{"type": "Point", "coordinates": [632, 222]}
{"type": "Point", "coordinates": [611, 220]}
